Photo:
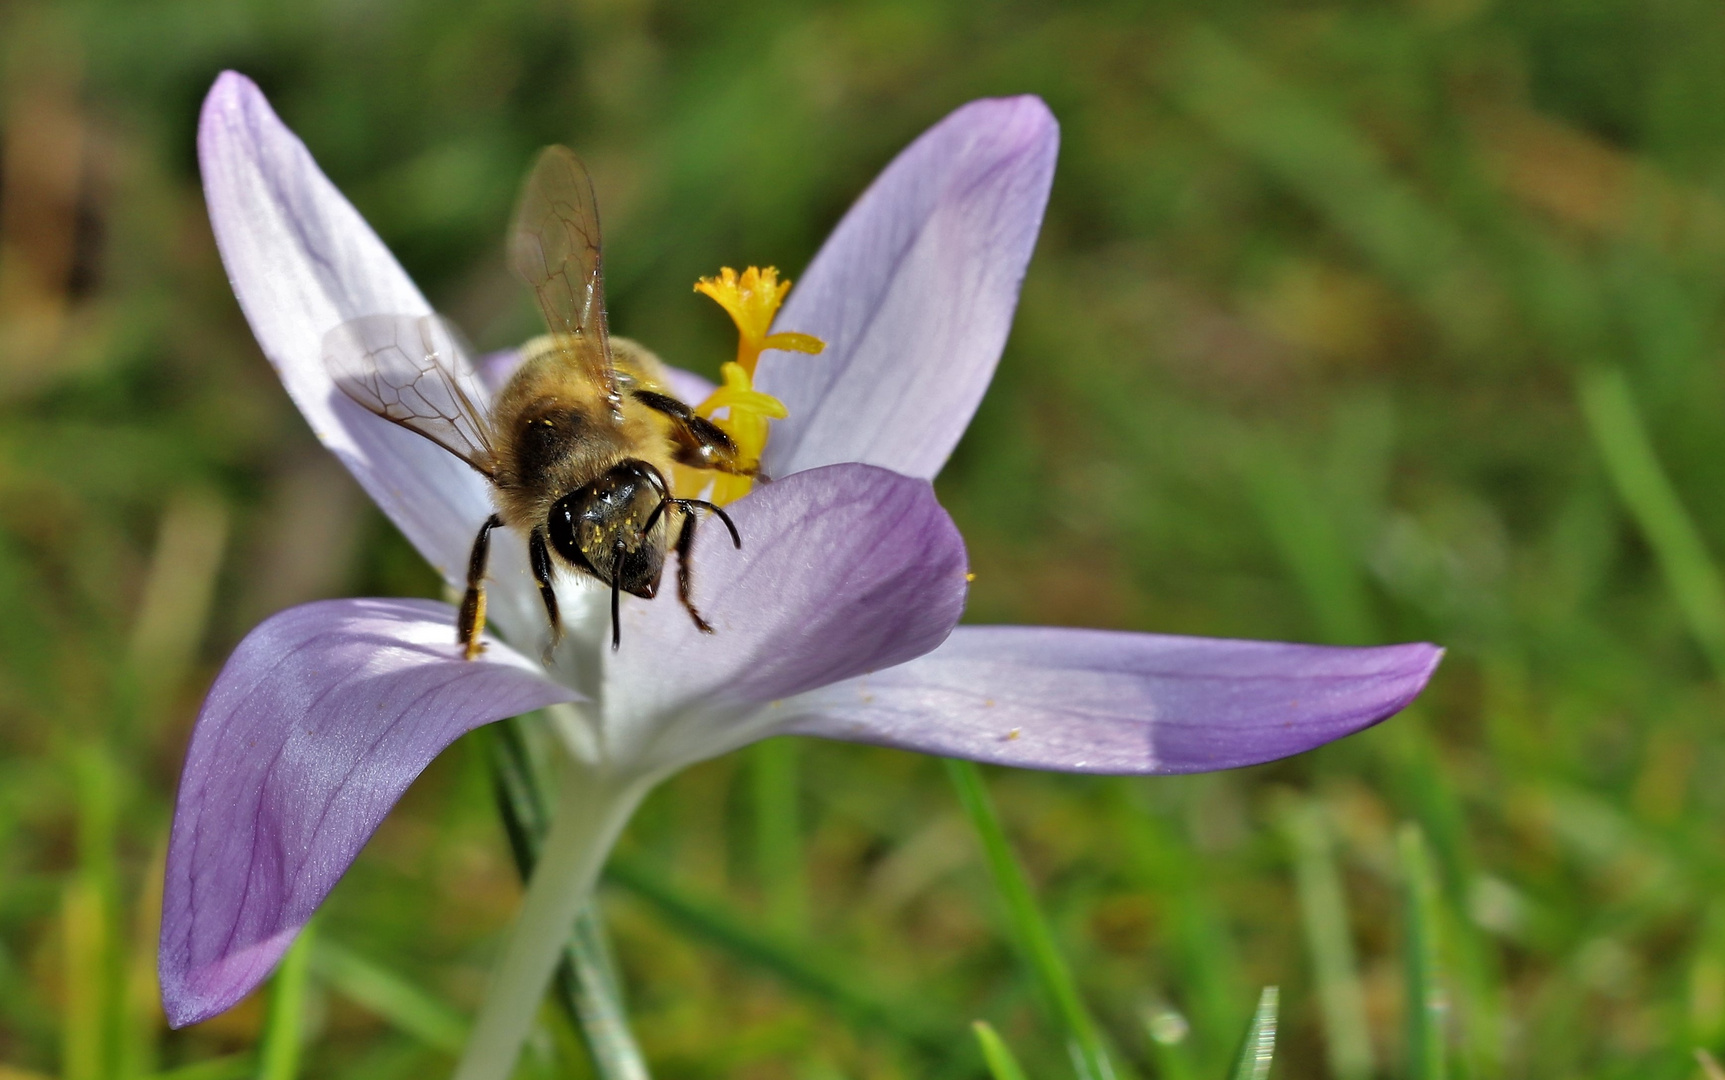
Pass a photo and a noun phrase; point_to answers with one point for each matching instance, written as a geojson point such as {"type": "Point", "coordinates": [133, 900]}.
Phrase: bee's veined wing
{"type": "Point", "coordinates": [412, 369]}
{"type": "Point", "coordinates": [554, 247]}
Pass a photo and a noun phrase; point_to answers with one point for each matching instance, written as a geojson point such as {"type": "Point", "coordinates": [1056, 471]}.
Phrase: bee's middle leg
{"type": "Point", "coordinates": [470, 623]}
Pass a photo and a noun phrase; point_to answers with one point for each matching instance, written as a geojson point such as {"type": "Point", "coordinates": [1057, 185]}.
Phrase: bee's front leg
{"type": "Point", "coordinates": [470, 623]}
{"type": "Point", "coordinates": [695, 440]}
{"type": "Point", "coordinates": [686, 544]}
{"type": "Point", "coordinates": [685, 576]}
{"type": "Point", "coordinates": [539, 556]}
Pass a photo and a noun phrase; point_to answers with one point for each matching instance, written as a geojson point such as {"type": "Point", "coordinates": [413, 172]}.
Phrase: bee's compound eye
{"type": "Point", "coordinates": [560, 528]}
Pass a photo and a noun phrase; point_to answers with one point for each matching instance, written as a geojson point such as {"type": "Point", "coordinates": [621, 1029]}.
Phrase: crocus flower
{"type": "Point", "coordinates": [837, 617]}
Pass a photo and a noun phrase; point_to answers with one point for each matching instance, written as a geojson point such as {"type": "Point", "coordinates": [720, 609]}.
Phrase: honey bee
{"type": "Point", "coordinates": [578, 444]}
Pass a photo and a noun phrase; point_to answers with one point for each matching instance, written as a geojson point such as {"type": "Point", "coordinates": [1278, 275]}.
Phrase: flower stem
{"type": "Point", "coordinates": [590, 812]}
{"type": "Point", "coordinates": [586, 982]}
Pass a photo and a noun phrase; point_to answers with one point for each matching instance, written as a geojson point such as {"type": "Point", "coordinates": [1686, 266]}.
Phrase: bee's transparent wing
{"type": "Point", "coordinates": [412, 370]}
{"type": "Point", "coordinates": [554, 247]}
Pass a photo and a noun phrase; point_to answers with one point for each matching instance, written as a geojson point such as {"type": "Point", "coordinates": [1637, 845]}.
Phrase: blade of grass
{"type": "Point", "coordinates": [793, 962]}
{"type": "Point", "coordinates": [1426, 1005]}
{"type": "Point", "coordinates": [231, 1067]}
{"type": "Point", "coordinates": [1196, 940]}
{"type": "Point", "coordinates": [1473, 970]}
{"type": "Point", "coordinates": [141, 1019]}
{"type": "Point", "coordinates": [1307, 537]}
{"type": "Point", "coordinates": [284, 1024]}
{"type": "Point", "coordinates": [83, 927]}
{"type": "Point", "coordinates": [1324, 914]}
{"type": "Point", "coordinates": [1169, 1042]}
{"type": "Point", "coordinates": [588, 978]}
{"type": "Point", "coordinates": [93, 972]}
{"type": "Point", "coordinates": [521, 801]}
{"type": "Point", "coordinates": [778, 833]}
{"type": "Point", "coordinates": [1709, 1065]}
{"type": "Point", "coordinates": [1028, 926]}
{"type": "Point", "coordinates": [1002, 1065]}
{"type": "Point", "coordinates": [1310, 148]}
{"type": "Point", "coordinates": [174, 610]}
{"type": "Point", "coordinates": [1690, 573]}
{"type": "Point", "coordinates": [402, 1004]}
{"type": "Point", "coordinates": [1260, 1045]}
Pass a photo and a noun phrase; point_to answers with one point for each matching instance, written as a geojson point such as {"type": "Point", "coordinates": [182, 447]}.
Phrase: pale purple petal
{"type": "Point", "coordinates": [302, 262]}
{"type": "Point", "coordinates": [842, 570]}
{"type": "Point", "coordinates": [1106, 702]}
{"type": "Point", "coordinates": [688, 386]}
{"type": "Point", "coordinates": [314, 728]}
{"type": "Point", "coordinates": [494, 368]}
{"type": "Point", "coordinates": [913, 294]}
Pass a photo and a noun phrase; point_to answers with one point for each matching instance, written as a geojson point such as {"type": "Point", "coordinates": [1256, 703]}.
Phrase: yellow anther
{"type": "Point", "coordinates": [792, 342]}
{"type": "Point", "coordinates": [751, 298]}
{"type": "Point", "coordinates": [739, 395]}
{"type": "Point", "coordinates": [747, 411]}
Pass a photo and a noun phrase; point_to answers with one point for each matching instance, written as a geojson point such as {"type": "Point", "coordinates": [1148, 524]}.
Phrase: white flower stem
{"type": "Point", "coordinates": [591, 810]}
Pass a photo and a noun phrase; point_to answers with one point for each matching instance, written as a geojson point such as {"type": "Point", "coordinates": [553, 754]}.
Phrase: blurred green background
{"type": "Point", "coordinates": [1349, 322]}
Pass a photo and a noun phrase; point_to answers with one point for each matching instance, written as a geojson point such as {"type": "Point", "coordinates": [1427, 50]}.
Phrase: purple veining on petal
{"type": "Point", "coordinates": [314, 728]}
{"type": "Point", "coordinates": [914, 294]}
{"type": "Point", "coordinates": [842, 570]}
{"type": "Point", "coordinates": [1106, 702]}
{"type": "Point", "coordinates": [302, 262]}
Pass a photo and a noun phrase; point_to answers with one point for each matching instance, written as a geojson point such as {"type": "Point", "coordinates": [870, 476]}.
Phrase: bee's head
{"type": "Point", "coordinates": [615, 527]}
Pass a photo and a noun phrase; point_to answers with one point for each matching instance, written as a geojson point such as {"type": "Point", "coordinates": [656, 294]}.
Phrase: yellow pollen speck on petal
{"type": "Point", "coordinates": [752, 299]}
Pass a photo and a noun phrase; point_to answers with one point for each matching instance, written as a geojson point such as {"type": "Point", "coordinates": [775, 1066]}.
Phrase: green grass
{"type": "Point", "coordinates": [1347, 324]}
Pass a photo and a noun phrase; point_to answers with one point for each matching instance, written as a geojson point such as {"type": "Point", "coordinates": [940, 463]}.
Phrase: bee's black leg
{"type": "Point", "coordinates": [470, 623]}
{"type": "Point", "coordinates": [687, 505]}
{"type": "Point", "coordinates": [695, 440]}
{"type": "Point", "coordinates": [616, 599]}
{"type": "Point", "coordinates": [540, 558]}
{"type": "Point", "coordinates": [685, 574]}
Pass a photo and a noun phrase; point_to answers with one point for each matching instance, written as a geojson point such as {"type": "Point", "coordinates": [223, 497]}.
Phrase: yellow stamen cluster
{"type": "Point", "coordinates": [751, 298]}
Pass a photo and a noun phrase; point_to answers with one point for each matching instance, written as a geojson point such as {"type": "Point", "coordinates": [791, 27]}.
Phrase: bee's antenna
{"type": "Point", "coordinates": [657, 478]}
{"type": "Point", "coordinates": [616, 598]}
{"type": "Point", "coordinates": [730, 526]}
